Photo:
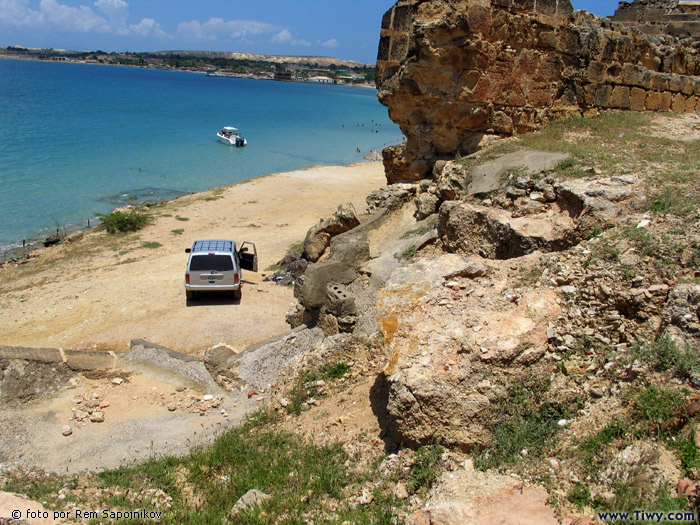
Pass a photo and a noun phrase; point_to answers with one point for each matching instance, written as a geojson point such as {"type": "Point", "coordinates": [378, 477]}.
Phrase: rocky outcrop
{"type": "Point", "coordinates": [546, 214]}
{"type": "Point", "coordinates": [453, 72]}
{"type": "Point", "coordinates": [318, 238]}
{"type": "Point", "coordinates": [454, 326]}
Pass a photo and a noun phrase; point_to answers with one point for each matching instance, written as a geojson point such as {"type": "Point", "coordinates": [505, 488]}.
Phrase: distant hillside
{"type": "Point", "coordinates": [316, 61]}
{"type": "Point", "coordinates": [278, 59]}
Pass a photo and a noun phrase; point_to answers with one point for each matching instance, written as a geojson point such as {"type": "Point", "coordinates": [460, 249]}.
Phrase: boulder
{"type": "Point", "coordinates": [443, 341]}
{"type": "Point", "coordinates": [318, 237]}
{"type": "Point", "coordinates": [495, 234]}
{"type": "Point", "coordinates": [426, 205]}
{"type": "Point", "coordinates": [216, 359]}
{"type": "Point", "coordinates": [390, 197]}
{"type": "Point", "coordinates": [451, 178]}
{"type": "Point", "coordinates": [348, 252]}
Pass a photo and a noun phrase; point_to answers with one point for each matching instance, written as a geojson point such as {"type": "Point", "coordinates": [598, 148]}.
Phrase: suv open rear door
{"type": "Point", "coordinates": [248, 256]}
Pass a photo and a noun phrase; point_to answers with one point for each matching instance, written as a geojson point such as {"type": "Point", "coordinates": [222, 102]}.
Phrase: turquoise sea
{"type": "Point", "coordinates": [77, 139]}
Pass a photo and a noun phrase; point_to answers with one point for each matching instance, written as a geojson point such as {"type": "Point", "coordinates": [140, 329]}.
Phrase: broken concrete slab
{"type": "Point", "coordinates": [488, 176]}
{"type": "Point", "coordinates": [258, 366]}
{"type": "Point", "coordinates": [89, 359]}
{"type": "Point", "coordinates": [163, 363]}
{"type": "Point", "coordinates": [41, 355]}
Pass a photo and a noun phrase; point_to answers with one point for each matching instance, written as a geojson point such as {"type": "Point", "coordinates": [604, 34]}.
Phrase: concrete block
{"type": "Point", "coordinates": [89, 360]}
{"type": "Point", "coordinates": [339, 302]}
{"type": "Point", "coordinates": [40, 355]}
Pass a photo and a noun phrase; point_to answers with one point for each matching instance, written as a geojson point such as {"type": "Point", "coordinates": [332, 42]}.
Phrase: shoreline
{"type": "Point", "coordinates": [104, 290]}
{"type": "Point", "coordinates": [13, 253]}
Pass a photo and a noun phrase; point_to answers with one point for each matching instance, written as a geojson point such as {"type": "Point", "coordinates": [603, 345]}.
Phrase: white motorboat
{"type": "Point", "coordinates": [229, 135]}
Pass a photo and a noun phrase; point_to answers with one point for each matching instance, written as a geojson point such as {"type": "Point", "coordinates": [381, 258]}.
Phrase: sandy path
{"type": "Point", "coordinates": [104, 290]}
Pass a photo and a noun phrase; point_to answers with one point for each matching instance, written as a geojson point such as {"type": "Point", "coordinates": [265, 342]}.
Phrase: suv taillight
{"type": "Point", "coordinates": [187, 278]}
{"type": "Point", "coordinates": [235, 278]}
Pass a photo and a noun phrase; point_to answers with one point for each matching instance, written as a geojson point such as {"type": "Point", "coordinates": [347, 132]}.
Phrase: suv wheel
{"type": "Point", "coordinates": [189, 294]}
{"type": "Point", "coordinates": [237, 294]}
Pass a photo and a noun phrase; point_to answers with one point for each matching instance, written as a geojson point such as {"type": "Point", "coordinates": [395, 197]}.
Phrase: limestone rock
{"type": "Point", "coordinates": [349, 251]}
{"type": "Point", "coordinates": [438, 339]}
{"type": "Point", "coordinates": [493, 233]}
{"type": "Point", "coordinates": [318, 237]}
{"type": "Point", "coordinates": [390, 197]}
{"type": "Point", "coordinates": [682, 308]}
{"type": "Point", "coordinates": [426, 205]}
{"type": "Point", "coordinates": [521, 505]}
{"type": "Point", "coordinates": [252, 498]}
{"type": "Point", "coordinates": [451, 180]}
{"type": "Point", "coordinates": [488, 176]}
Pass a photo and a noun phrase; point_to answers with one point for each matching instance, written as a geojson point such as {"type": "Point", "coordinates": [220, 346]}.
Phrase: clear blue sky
{"type": "Point", "coordinates": [346, 29]}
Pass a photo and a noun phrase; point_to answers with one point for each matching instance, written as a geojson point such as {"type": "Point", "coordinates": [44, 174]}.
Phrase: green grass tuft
{"type": "Point", "coordinates": [118, 221]}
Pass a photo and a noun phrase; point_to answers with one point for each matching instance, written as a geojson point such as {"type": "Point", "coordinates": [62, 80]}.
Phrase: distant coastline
{"type": "Point", "coordinates": [260, 67]}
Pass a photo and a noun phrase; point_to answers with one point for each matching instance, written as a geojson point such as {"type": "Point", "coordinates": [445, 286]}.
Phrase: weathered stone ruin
{"type": "Point", "coordinates": [660, 17]}
{"type": "Point", "coordinates": [453, 73]}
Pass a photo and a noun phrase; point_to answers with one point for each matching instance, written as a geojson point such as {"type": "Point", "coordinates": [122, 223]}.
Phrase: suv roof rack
{"type": "Point", "coordinates": [213, 246]}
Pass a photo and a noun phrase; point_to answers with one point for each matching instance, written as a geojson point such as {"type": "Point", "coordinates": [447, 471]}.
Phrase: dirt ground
{"type": "Point", "coordinates": [140, 417]}
{"type": "Point", "coordinates": [104, 291]}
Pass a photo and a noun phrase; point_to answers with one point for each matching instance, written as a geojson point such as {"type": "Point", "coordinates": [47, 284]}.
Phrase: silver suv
{"type": "Point", "coordinates": [215, 266]}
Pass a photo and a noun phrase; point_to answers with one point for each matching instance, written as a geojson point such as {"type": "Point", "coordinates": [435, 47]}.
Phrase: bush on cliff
{"type": "Point", "coordinates": [118, 221]}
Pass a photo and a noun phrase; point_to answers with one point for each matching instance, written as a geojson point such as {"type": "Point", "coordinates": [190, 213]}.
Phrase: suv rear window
{"type": "Point", "coordinates": [219, 263]}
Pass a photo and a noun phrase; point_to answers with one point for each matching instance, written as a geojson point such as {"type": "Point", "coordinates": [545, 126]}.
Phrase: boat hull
{"type": "Point", "coordinates": [233, 141]}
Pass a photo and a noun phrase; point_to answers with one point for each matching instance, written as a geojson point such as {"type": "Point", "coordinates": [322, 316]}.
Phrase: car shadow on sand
{"type": "Point", "coordinates": [212, 299]}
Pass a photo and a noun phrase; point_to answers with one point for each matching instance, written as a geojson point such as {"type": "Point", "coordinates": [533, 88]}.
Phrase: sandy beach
{"type": "Point", "coordinates": [106, 290]}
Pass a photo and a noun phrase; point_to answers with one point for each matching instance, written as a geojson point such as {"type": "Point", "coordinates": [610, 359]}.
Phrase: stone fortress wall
{"type": "Point", "coordinates": [660, 17]}
{"type": "Point", "coordinates": [451, 72]}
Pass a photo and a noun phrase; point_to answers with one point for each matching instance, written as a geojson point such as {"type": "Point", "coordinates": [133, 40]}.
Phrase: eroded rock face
{"type": "Point", "coordinates": [454, 72]}
{"type": "Point", "coordinates": [451, 326]}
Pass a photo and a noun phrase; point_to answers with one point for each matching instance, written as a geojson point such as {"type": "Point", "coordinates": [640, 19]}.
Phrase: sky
{"type": "Point", "coordinates": [347, 29]}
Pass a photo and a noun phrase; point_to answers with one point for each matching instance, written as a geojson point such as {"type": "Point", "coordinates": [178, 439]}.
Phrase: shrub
{"type": "Point", "coordinates": [336, 370]}
{"type": "Point", "coordinates": [118, 221]}
{"type": "Point", "coordinates": [580, 495]}
{"type": "Point", "coordinates": [664, 354]}
{"type": "Point", "coordinates": [659, 412]}
{"type": "Point", "coordinates": [426, 468]}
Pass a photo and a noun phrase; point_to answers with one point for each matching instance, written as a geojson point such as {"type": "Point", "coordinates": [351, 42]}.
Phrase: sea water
{"type": "Point", "coordinates": [79, 139]}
